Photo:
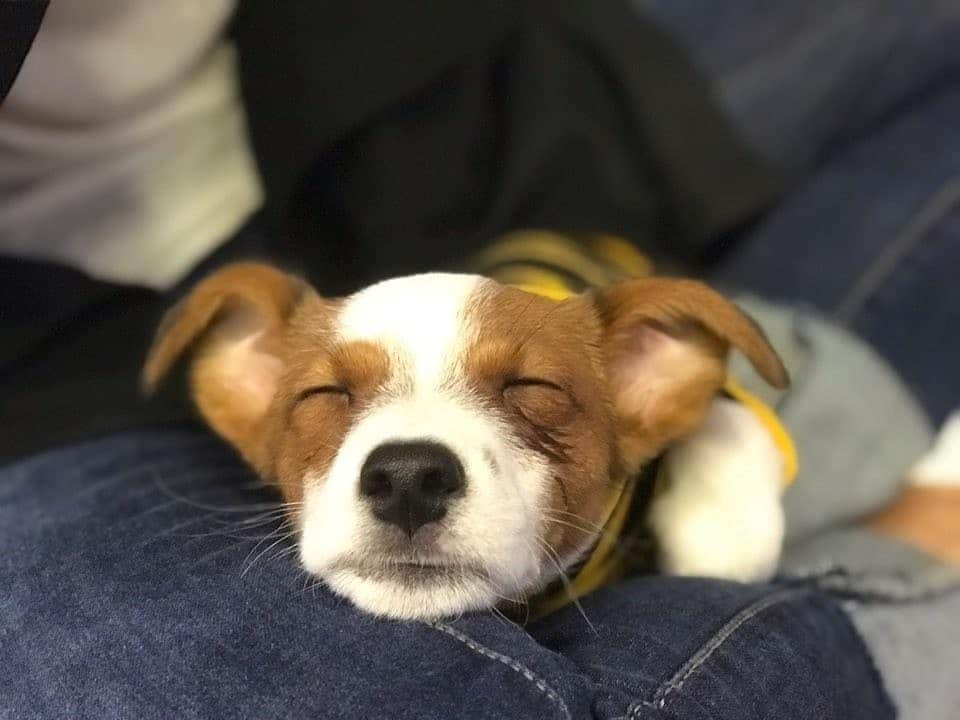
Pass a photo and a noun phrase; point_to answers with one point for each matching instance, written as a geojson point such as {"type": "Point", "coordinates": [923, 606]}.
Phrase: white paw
{"type": "Point", "coordinates": [941, 466]}
{"type": "Point", "coordinates": [721, 514]}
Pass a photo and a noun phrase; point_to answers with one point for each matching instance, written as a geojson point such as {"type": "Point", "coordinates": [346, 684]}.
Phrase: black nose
{"type": "Point", "coordinates": [409, 484]}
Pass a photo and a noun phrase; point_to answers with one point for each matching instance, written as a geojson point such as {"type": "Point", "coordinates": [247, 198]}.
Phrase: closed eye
{"type": "Point", "coordinates": [336, 390]}
{"type": "Point", "coordinates": [542, 403]}
{"type": "Point", "coordinates": [520, 382]}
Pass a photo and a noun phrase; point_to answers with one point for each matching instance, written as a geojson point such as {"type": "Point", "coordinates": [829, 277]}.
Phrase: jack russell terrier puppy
{"type": "Point", "coordinates": [448, 442]}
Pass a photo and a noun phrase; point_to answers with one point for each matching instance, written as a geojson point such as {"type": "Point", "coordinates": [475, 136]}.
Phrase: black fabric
{"type": "Point", "coordinates": [19, 22]}
{"type": "Point", "coordinates": [71, 349]}
{"type": "Point", "coordinates": [395, 137]}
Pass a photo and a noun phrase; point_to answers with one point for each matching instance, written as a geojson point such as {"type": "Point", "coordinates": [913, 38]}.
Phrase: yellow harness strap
{"type": "Point", "coordinates": [768, 418]}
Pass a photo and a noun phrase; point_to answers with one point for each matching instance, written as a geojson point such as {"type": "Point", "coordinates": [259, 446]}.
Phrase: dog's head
{"type": "Point", "coordinates": [445, 441]}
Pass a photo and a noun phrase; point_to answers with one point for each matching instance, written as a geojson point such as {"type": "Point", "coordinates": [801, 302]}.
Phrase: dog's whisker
{"type": "Point", "coordinates": [282, 538]}
{"type": "Point", "coordinates": [586, 530]}
{"type": "Point", "coordinates": [616, 541]}
{"type": "Point", "coordinates": [200, 475]}
{"type": "Point", "coordinates": [215, 553]}
{"type": "Point", "coordinates": [249, 523]}
{"type": "Point", "coordinates": [568, 587]}
{"type": "Point", "coordinates": [153, 509]}
{"type": "Point", "coordinates": [494, 610]}
{"type": "Point", "coordinates": [257, 547]}
{"type": "Point", "coordinates": [237, 536]}
{"type": "Point", "coordinates": [311, 587]}
{"type": "Point", "coordinates": [179, 526]}
{"type": "Point", "coordinates": [576, 516]}
{"type": "Point", "coordinates": [233, 529]}
{"type": "Point", "coordinates": [250, 507]}
{"type": "Point", "coordinates": [499, 592]}
{"type": "Point", "coordinates": [282, 553]}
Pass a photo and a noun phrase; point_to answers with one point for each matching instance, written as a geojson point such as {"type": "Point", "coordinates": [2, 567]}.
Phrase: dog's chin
{"type": "Point", "coordinates": [413, 592]}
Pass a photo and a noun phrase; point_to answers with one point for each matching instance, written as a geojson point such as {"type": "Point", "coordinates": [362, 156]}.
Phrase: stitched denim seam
{"type": "Point", "coordinates": [697, 661]}
{"type": "Point", "coordinates": [514, 665]}
{"type": "Point", "coordinates": [913, 235]}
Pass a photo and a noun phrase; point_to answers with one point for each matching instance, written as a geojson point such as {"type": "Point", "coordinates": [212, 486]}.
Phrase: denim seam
{"type": "Point", "coordinates": [511, 663]}
{"type": "Point", "coordinates": [914, 233]}
{"type": "Point", "coordinates": [676, 682]}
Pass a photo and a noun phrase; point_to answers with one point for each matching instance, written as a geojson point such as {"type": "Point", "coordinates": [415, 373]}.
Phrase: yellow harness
{"type": "Point", "coordinates": [558, 266]}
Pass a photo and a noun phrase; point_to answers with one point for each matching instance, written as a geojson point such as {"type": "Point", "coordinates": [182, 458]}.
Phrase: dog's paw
{"type": "Point", "coordinates": [941, 466]}
{"type": "Point", "coordinates": [720, 514]}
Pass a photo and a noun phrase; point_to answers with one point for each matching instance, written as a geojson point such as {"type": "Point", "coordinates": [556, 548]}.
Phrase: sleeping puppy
{"type": "Point", "coordinates": [447, 442]}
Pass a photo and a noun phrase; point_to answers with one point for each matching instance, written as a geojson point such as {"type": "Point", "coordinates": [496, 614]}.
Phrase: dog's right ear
{"type": "Point", "coordinates": [666, 342]}
{"type": "Point", "coordinates": [233, 322]}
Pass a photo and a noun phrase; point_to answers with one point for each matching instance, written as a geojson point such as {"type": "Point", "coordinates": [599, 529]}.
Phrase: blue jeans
{"type": "Point", "coordinates": [798, 80]}
{"type": "Point", "coordinates": [146, 575]}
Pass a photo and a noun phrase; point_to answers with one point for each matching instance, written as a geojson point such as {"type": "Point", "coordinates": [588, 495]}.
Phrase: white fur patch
{"type": "Point", "coordinates": [721, 515]}
{"type": "Point", "coordinates": [423, 323]}
{"type": "Point", "coordinates": [941, 466]}
{"type": "Point", "coordinates": [420, 319]}
{"type": "Point", "coordinates": [493, 526]}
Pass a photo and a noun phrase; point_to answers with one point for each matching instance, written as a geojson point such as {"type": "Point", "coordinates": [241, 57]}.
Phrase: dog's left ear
{"type": "Point", "coordinates": [665, 345]}
{"type": "Point", "coordinates": [233, 323]}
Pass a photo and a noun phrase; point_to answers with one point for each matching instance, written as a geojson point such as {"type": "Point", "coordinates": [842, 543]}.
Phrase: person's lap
{"type": "Point", "coordinates": [146, 575]}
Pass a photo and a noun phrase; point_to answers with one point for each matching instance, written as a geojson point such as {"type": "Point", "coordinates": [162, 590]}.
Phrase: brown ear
{"type": "Point", "coordinates": [233, 322]}
{"type": "Point", "coordinates": [665, 343]}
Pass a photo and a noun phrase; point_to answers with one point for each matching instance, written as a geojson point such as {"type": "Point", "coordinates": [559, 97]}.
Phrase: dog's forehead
{"type": "Point", "coordinates": [424, 318]}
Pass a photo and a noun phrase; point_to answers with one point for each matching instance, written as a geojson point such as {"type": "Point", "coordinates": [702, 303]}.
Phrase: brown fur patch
{"type": "Point", "coordinates": [233, 322]}
{"type": "Point", "coordinates": [666, 342]}
{"type": "Point", "coordinates": [537, 364]}
{"type": "Point", "coordinates": [326, 388]}
{"type": "Point", "coordinates": [669, 302]}
{"type": "Point", "coordinates": [279, 426]}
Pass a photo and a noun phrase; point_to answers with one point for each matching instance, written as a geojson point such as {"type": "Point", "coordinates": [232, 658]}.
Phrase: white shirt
{"type": "Point", "coordinates": [123, 146]}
